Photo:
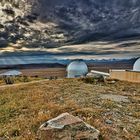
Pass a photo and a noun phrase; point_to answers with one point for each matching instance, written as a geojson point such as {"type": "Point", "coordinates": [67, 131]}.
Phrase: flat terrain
{"type": "Point", "coordinates": [45, 72]}
{"type": "Point", "coordinates": [114, 109]}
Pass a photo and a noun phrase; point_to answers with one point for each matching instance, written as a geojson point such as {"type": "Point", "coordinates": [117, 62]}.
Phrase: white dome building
{"type": "Point", "coordinates": [77, 68]}
{"type": "Point", "coordinates": [136, 66]}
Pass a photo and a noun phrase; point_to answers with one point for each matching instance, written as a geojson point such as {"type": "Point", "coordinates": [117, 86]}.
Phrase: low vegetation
{"type": "Point", "coordinates": [24, 107]}
{"type": "Point", "coordinates": [17, 80]}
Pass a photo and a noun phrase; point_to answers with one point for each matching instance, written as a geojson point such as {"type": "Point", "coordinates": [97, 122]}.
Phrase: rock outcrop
{"type": "Point", "coordinates": [67, 127]}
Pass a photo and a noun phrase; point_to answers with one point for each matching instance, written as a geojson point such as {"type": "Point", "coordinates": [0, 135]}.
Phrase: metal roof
{"type": "Point", "coordinates": [100, 73]}
{"type": "Point", "coordinates": [11, 73]}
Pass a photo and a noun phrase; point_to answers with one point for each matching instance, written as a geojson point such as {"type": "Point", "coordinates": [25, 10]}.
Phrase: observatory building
{"type": "Point", "coordinates": [128, 75]}
{"type": "Point", "coordinates": [11, 73]}
{"type": "Point", "coordinates": [76, 69]}
{"type": "Point", "coordinates": [136, 66]}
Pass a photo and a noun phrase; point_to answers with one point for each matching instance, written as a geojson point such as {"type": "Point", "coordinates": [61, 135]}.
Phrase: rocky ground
{"type": "Point", "coordinates": [112, 108]}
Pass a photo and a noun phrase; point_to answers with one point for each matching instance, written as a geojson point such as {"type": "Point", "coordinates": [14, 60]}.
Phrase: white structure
{"type": "Point", "coordinates": [100, 73]}
{"type": "Point", "coordinates": [136, 66]}
{"type": "Point", "coordinates": [97, 74]}
{"type": "Point", "coordinates": [11, 73]}
{"type": "Point", "coordinates": [77, 68]}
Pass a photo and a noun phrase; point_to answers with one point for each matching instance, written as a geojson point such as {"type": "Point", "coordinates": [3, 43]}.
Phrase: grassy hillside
{"type": "Point", "coordinates": [23, 108]}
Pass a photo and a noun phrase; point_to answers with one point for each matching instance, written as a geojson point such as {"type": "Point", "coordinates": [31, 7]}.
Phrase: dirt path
{"type": "Point", "coordinates": [19, 84]}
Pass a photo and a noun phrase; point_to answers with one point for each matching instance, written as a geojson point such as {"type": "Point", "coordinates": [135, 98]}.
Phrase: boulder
{"type": "Point", "coordinates": [67, 127]}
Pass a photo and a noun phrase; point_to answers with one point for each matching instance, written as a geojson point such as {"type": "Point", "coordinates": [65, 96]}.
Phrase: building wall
{"type": "Point", "coordinates": [130, 76]}
{"type": "Point", "coordinates": [75, 74]}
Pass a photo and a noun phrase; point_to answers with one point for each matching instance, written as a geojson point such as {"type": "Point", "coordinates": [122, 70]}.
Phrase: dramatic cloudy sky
{"type": "Point", "coordinates": [116, 23]}
{"type": "Point", "coordinates": [99, 50]}
{"type": "Point", "coordinates": [92, 50]}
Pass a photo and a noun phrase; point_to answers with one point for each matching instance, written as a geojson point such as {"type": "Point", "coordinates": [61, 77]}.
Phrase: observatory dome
{"type": "Point", "coordinates": [136, 66]}
{"type": "Point", "coordinates": [77, 68]}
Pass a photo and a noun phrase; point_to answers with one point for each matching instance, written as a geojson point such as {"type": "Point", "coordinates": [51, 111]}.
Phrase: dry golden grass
{"type": "Point", "coordinates": [23, 108]}
{"type": "Point", "coordinates": [19, 79]}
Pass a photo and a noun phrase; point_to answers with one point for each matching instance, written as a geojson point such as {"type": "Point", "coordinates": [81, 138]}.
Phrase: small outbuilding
{"type": "Point", "coordinates": [77, 68]}
{"type": "Point", "coordinates": [11, 73]}
{"type": "Point", "coordinates": [136, 66]}
{"type": "Point", "coordinates": [8, 76]}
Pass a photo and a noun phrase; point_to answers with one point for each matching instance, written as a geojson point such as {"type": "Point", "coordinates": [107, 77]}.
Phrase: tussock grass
{"type": "Point", "coordinates": [24, 107]}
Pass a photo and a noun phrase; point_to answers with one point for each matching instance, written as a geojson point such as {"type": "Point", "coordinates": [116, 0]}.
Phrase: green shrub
{"type": "Point", "coordinates": [88, 80]}
{"type": "Point", "coordinates": [94, 80]}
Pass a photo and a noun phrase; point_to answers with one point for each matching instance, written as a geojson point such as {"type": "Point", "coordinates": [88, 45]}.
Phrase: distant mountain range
{"type": "Point", "coordinates": [55, 23]}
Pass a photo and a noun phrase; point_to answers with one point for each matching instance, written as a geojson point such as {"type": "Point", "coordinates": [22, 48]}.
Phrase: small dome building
{"type": "Point", "coordinates": [76, 69]}
{"type": "Point", "coordinates": [136, 66]}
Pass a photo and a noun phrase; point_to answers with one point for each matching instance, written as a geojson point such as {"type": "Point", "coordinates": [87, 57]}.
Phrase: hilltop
{"type": "Point", "coordinates": [111, 108]}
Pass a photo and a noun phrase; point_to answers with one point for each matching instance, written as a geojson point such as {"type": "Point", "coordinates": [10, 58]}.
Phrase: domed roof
{"type": "Point", "coordinates": [136, 66]}
{"type": "Point", "coordinates": [77, 68]}
{"type": "Point", "coordinates": [77, 65]}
